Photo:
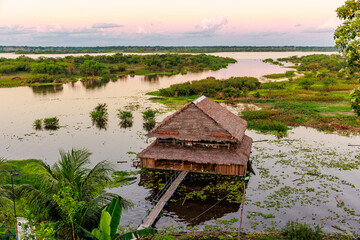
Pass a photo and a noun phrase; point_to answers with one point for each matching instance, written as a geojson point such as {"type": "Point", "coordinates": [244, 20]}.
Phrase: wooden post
{"type": "Point", "coordinates": [241, 212]}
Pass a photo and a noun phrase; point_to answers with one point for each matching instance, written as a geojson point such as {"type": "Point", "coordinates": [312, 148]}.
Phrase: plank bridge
{"type": "Point", "coordinates": [170, 188]}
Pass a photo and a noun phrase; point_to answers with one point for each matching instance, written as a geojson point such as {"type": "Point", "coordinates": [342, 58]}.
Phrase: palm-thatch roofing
{"type": "Point", "coordinates": [202, 120]}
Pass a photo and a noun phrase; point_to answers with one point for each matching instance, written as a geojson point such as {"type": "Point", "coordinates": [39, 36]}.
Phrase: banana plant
{"type": "Point", "coordinates": [109, 222]}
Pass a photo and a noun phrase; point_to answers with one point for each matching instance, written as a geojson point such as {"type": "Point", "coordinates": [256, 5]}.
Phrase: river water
{"type": "Point", "coordinates": [282, 187]}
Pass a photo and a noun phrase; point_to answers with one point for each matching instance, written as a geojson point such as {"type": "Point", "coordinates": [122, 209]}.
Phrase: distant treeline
{"type": "Point", "coordinates": [143, 49]}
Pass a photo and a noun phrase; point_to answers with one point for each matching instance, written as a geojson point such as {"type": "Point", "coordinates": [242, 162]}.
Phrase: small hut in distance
{"type": "Point", "coordinates": [201, 137]}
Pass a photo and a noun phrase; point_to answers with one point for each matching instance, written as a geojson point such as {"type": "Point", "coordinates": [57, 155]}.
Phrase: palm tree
{"type": "Point", "coordinates": [89, 184]}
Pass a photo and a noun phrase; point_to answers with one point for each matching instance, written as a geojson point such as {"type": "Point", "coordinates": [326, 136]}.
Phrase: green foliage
{"type": "Point", "coordinates": [37, 124]}
{"type": "Point", "coordinates": [51, 123]}
{"type": "Point", "coordinates": [125, 115]}
{"type": "Point", "coordinates": [346, 35]}
{"type": "Point", "coordinates": [300, 231]}
{"type": "Point", "coordinates": [149, 114]}
{"type": "Point", "coordinates": [267, 125]}
{"type": "Point", "coordinates": [115, 212]}
{"type": "Point", "coordinates": [87, 187]}
{"type": "Point", "coordinates": [105, 229]}
{"type": "Point", "coordinates": [211, 87]}
{"type": "Point", "coordinates": [99, 115]}
{"type": "Point", "coordinates": [306, 83]}
{"type": "Point", "coordinates": [40, 78]}
{"type": "Point", "coordinates": [355, 100]}
{"type": "Point", "coordinates": [260, 114]}
{"type": "Point", "coordinates": [329, 82]}
{"type": "Point", "coordinates": [92, 68]}
{"type": "Point", "coordinates": [136, 233]}
{"type": "Point", "coordinates": [65, 199]}
{"type": "Point", "coordinates": [126, 118]}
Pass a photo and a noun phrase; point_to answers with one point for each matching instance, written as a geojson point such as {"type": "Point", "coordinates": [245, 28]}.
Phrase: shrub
{"type": "Point", "coordinates": [300, 231]}
{"type": "Point", "coordinates": [51, 123]}
{"type": "Point", "coordinates": [40, 78]}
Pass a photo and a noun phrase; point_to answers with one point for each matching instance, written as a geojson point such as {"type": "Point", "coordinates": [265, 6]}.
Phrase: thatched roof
{"type": "Point", "coordinates": [238, 156]}
{"type": "Point", "coordinates": [202, 119]}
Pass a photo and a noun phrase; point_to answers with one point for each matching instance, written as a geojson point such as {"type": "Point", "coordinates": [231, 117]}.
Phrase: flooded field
{"type": "Point", "coordinates": [301, 177]}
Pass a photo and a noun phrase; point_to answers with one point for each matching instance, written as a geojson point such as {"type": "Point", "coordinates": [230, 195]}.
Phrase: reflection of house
{"type": "Point", "coordinates": [201, 137]}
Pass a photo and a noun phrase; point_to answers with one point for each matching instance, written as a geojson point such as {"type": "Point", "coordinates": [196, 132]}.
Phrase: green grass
{"type": "Point", "coordinates": [29, 170]}
{"type": "Point", "coordinates": [276, 76]}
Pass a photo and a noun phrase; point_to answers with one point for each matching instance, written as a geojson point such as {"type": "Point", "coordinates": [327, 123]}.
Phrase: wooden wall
{"type": "Point", "coordinates": [239, 170]}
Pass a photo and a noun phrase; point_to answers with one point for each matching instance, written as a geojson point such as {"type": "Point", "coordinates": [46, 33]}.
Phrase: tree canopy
{"type": "Point", "coordinates": [347, 34]}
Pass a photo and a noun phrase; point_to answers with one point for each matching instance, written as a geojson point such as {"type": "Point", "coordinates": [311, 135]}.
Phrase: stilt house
{"type": "Point", "coordinates": [202, 137]}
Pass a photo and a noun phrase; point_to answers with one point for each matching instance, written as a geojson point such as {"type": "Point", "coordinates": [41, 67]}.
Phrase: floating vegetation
{"type": "Point", "coordinates": [126, 118]}
{"type": "Point", "coordinates": [308, 178]}
{"type": "Point", "coordinates": [51, 123]}
{"type": "Point", "coordinates": [38, 124]}
{"type": "Point", "coordinates": [99, 116]}
{"type": "Point", "coordinates": [149, 119]}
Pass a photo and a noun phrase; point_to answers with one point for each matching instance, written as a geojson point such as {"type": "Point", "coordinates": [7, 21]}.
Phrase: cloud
{"type": "Point", "coordinates": [298, 25]}
{"type": "Point", "coordinates": [208, 26]}
{"type": "Point", "coordinates": [106, 25]}
{"type": "Point", "coordinates": [328, 26]}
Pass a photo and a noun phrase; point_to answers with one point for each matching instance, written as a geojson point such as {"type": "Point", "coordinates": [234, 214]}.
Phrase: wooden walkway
{"type": "Point", "coordinates": [149, 221]}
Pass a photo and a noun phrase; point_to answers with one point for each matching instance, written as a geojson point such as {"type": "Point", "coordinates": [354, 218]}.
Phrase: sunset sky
{"type": "Point", "coordinates": [168, 22]}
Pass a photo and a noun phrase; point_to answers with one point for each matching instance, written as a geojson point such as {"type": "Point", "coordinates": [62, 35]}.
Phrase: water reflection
{"type": "Point", "coordinates": [93, 83]}
{"type": "Point", "coordinates": [44, 90]}
{"type": "Point", "coordinates": [196, 194]}
{"type": "Point", "coordinates": [152, 78]}
{"type": "Point", "coordinates": [148, 125]}
{"type": "Point", "coordinates": [126, 123]}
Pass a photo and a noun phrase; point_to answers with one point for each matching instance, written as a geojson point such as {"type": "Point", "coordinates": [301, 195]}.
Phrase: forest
{"type": "Point", "coordinates": [28, 71]}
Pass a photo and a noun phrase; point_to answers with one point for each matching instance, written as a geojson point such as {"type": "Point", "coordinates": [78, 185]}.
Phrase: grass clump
{"type": "Point", "coordinates": [267, 126]}
{"type": "Point", "coordinates": [51, 123]}
{"type": "Point", "coordinates": [99, 115]}
{"type": "Point", "coordinates": [149, 119]}
{"type": "Point", "coordinates": [126, 118]}
{"type": "Point", "coordinates": [149, 114]}
{"type": "Point", "coordinates": [260, 114]}
{"type": "Point", "coordinates": [301, 231]}
{"type": "Point", "coordinates": [37, 124]}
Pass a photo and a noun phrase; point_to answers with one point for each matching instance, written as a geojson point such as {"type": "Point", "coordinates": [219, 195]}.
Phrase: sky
{"type": "Point", "coordinates": [168, 22]}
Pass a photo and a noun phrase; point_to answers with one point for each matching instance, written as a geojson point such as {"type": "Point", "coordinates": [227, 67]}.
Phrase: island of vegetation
{"type": "Point", "coordinates": [318, 96]}
{"type": "Point", "coordinates": [52, 71]}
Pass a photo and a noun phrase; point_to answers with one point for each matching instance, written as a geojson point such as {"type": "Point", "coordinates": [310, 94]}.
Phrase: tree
{"type": "Point", "coordinates": [87, 186]}
{"type": "Point", "coordinates": [347, 34]}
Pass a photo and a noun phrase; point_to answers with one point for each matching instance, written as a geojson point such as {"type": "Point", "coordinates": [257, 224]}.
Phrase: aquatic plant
{"type": "Point", "coordinates": [51, 123]}
{"type": "Point", "coordinates": [149, 114]}
{"type": "Point", "coordinates": [37, 124]}
{"type": "Point", "coordinates": [300, 231]}
{"type": "Point", "coordinates": [126, 118]}
{"type": "Point", "coordinates": [99, 116]}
